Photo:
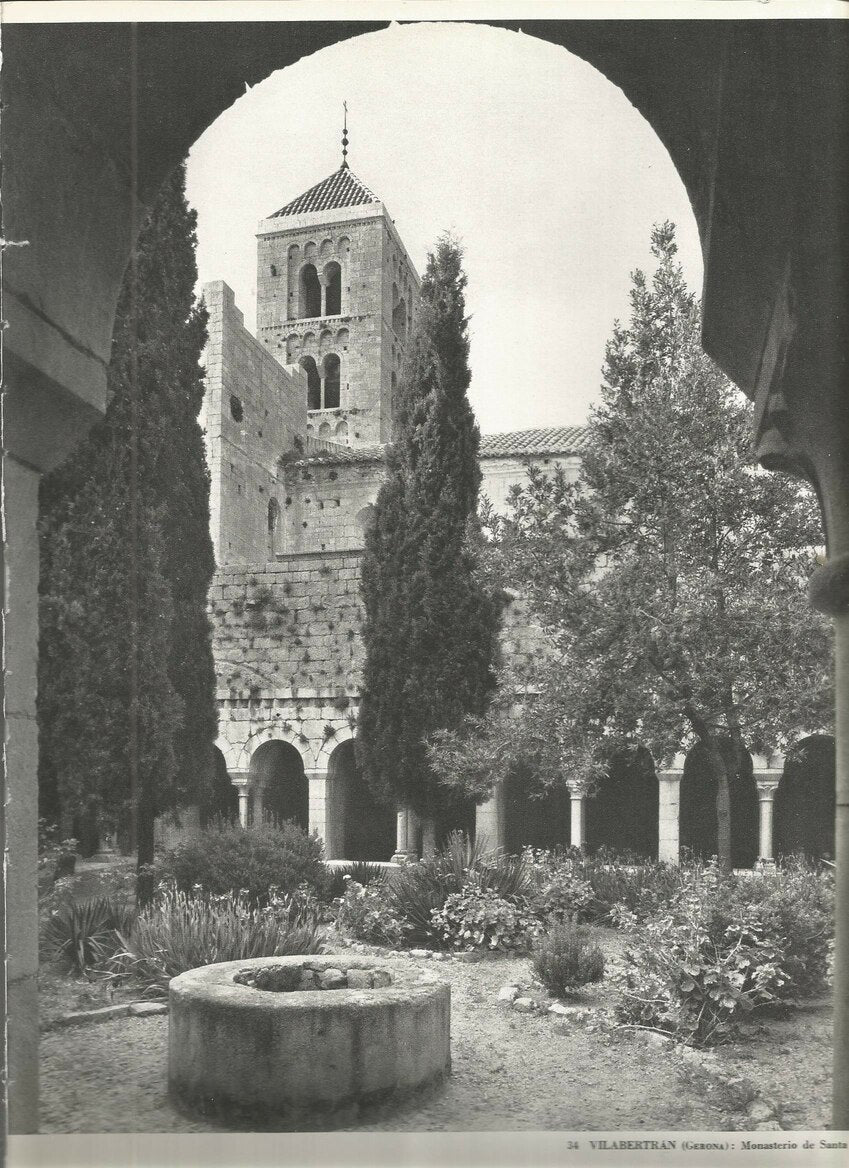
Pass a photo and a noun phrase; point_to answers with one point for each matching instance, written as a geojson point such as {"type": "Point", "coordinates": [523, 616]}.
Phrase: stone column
{"type": "Point", "coordinates": [323, 282]}
{"type": "Point", "coordinates": [405, 837]}
{"type": "Point", "coordinates": [767, 781]}
{"type": "Point", "coordinates": [240, 780]}
{"type": "Point", "coordinates": [319, 810]}
{"type": "Point", "coordinates": [491, 819]}
{"type": "Point", "coordinates": [577, 818]}
{"type": "Point", "coordinates": [669, 811]}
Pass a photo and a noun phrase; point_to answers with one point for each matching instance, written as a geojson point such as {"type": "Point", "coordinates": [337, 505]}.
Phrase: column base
{"type": "Point", "coordinates": [404, 858]}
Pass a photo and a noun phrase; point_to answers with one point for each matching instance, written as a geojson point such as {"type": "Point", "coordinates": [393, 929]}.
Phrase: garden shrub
{"type": "Point", "coordinates": [639, 885]}
{"type": "Point", "coordinates": [416, 891]}
{"type": "Point", "coordinates": [364, 913]}
{"type": "Point", "coordinates": [560, 891]}
{"type": "Point", "coordinates": [231, 859]}
{"type": "Point", "coordinates": [360, 871]}
{"type": "Point", "coordinates": [84, 934]}
{"type": "Point", "coordinates": [568, 882]}
{"type": "Point", "coordinates": [564, 961]}
{"type": "Point", "coordinates": [725, 946]}
{"type": "Point", "coordinates": [478, 918]}
{"type": "Point", "coordinates": [178, 931]}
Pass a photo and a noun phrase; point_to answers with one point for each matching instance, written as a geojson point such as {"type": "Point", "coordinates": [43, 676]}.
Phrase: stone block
{"type": "Point", "coordinates": [332, 979]}
{"type": "Point", "coordinates": [360, 979]}
{"type": "Point", "coordinates": [508, 994]}
{"type": "Point", "coordinates": [148, 1009]}
{"type": "Point", "coordinates": [524, 1005]}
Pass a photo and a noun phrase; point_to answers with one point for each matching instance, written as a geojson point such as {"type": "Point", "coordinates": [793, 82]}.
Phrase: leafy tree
{"type": "Point", "coordinates": [670, 579]}
{"type": "Point", "coordinates": [126, 682]}
{"type": "Point", "coordinates": [430, 625]}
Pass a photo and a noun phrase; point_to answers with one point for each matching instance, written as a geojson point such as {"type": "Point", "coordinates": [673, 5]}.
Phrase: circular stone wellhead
{"type": "Point", "coordinates": [293, 1055]}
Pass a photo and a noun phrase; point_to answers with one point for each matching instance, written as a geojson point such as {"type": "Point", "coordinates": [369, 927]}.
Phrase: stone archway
{"type": "Point", "coordinates": [698, 810]}
{"type": "Point", "coordinates": [623, 812]}
{"type": "Point", "coordinates": [223, 802]}
{"type": "Point", "coordinates": [803, 812]}
{"type": "Point", "coordinates": [361, 827]}
{"type": "Point", "coordinates": [535, 819]}
{"type": "Point", "coordinates": [277, 770]}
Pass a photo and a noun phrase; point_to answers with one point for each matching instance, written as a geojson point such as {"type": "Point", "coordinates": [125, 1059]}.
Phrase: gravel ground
{"type": "Point", "coordinates": [510, 1072]}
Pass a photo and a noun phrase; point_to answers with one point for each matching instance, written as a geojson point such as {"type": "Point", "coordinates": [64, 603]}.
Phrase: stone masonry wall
{"type": "Point", "coordinates": [289, 655]}
{"type": "Point", "coordinates": [243, 452]}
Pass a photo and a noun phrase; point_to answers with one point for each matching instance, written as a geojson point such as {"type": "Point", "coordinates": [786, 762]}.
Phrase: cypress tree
{"type": "Point", "coordinates": [430, 626]}
{"type": "Point", "coordinates": [126, 681]}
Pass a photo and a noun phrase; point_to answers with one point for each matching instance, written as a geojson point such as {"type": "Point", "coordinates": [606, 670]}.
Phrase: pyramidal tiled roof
{"type": "Point", "coordinates": [557, 440]}
{"type": "Point", "coordinates": [340, 189]}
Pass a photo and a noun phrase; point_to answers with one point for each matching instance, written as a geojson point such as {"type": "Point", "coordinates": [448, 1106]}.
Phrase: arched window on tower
{"type": "Point", "coordinates": [331, 382]}
{"type": "Point", "coordinates": [310, 291]}
{"type": "Point", "coordinates": [273, 523]}
{"type": "Point", "coordinates": [333, 293]}
{"type": "Point", "coordinates": [399, 314]}
{"type": "Point", "coordinates": [313, 383]}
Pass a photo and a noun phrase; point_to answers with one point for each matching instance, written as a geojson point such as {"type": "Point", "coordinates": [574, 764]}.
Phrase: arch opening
{"type": "Point", "coordinates": [535, 820]}
{"type": "Point", "coordinates": [698, 808]}
{"type": "Point", "coordinates": [310, 292]}
{"type": "Point", "coordinates": [622, 814]}
{"type": "Point", "coordinates": [277, 768]}
{"type": "Point", "coordinates": [313, 382]}
{"type": "Point", "coordinates": [273, 524]}
{"type": "Point", "coordinates": [803, 813]}
{"type": "Point", "coordinates": [360, 827]}
{"type": "Point", "coordinates": [333, 289]}
{"type": "Point", "coordinates": [332, 381]}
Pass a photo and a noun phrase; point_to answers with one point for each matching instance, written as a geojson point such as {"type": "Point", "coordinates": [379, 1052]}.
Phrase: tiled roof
{"type": "Point", "coordinates": [340, 189]}
{"type": "Point", "coordinates": [557, 440]}
{"type": "Point", "coordinates": [319, 452]}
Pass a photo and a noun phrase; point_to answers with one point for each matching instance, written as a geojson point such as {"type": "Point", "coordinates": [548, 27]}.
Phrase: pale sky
{"type": "Point", "coordinates": [541, 167]}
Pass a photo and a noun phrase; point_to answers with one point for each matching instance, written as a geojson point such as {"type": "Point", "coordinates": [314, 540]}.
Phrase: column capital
{"type": "Point", "coordinates": [239, 778]}
{"type": "Point", "coordinates": [577, 788]}
{"type": "Point", "coordinates": [670, 776]}
{"type": "Point", "coordinates": [767, 782]}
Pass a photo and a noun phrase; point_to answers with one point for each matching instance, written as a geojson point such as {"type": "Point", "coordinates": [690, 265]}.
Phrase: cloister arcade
{"type": "Point", "coordinates": [780, 806]}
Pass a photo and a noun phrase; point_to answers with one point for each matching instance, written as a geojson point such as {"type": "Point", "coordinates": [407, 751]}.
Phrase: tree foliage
{"type": "Point", "coordinates": [126, 682]}
{"type": "Point", "coordinates": [430, 625]}
{"type": "Point", "coordinates": [670, 578]}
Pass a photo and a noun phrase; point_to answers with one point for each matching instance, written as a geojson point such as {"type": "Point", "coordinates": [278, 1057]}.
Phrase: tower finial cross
{"type": "Point", "coordinates": [345, 137]}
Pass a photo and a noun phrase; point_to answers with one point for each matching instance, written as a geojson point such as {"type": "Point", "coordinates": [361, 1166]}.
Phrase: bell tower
{"type": "Point", "coordinates": [338, 294]}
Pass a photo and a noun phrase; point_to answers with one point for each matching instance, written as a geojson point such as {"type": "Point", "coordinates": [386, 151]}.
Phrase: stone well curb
{"type": "Point", "coordinates": [304, 1055]}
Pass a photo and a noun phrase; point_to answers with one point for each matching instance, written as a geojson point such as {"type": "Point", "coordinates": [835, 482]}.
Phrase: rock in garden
{"type": "Point", "coordinates": [333, 979]}
{"type": "Point", "coordinates": [420, 953]}
{"type": "Point", "coordinates": [309, 980]}
{"type": "Point", "coordinates": [524, 1005]}
{"type": "Point", "coordinates": [508, 994]}
{"type": "Point", "coordinates": [382, 978]}
{"type": "Point", "coordinates": [759, 1110]}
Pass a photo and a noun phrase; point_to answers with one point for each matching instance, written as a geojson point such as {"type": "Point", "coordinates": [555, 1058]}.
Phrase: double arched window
{"type": "Point", "coordinates": [324, 384]}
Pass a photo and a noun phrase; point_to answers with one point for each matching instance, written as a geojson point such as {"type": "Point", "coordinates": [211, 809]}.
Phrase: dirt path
{"type": "Point", "coordinates": [510, 1072]}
